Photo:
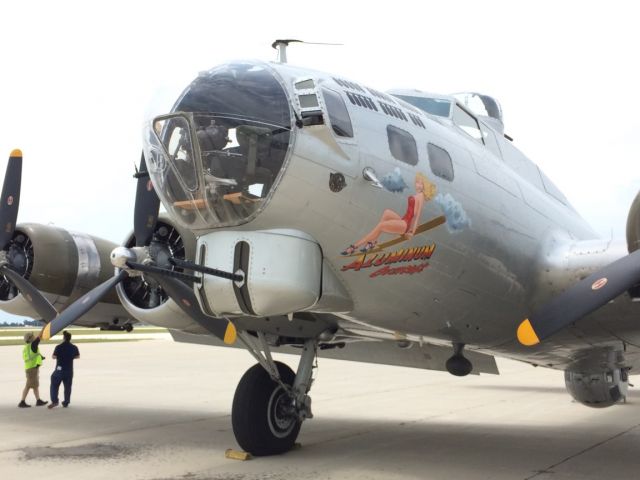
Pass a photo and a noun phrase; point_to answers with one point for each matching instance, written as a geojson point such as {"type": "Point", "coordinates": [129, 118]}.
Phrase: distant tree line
{"type": "Point", "coordinates": [23, 323]}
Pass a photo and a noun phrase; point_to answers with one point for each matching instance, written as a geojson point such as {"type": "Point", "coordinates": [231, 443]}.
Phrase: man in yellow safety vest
{"type": "Point", "coordinates": [32, 361]}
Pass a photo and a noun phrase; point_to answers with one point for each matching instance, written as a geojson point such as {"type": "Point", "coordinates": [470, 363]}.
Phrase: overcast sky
{"type": "Point", "coordinates": [78, 79]}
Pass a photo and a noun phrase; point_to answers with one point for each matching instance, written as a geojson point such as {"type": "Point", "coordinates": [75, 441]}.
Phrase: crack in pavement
{"type": "Point", "coordinates": [550, 468]}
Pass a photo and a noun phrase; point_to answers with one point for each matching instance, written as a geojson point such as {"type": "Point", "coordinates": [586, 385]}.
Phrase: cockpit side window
{"type": "Point", "coordinates": [490, 140]}
{"type": "Point", "coordinates": [402, 145]}
{"type": "Point", "coordinates": [439, 107]}
{"type": "Point", "coordinates": [467, 123]}
{"type": "Point", "coordinates": [338, 114]}
{"type": "Point", "coordinates": [176, 137]}
{"type": "Point", "coordinates": [440, 162]}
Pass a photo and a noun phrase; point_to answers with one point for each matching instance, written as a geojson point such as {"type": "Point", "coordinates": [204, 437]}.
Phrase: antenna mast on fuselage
{"type": "Point", "coordinates": [281, 47]}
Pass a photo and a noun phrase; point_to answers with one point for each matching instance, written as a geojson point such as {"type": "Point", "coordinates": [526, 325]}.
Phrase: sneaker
{"type": "Point", "coordinates": [23, 404]}
{"type": "Point", "coordinates": [65, 404]}
{"type": "Point", "coordinates": [52, 405]}
{"type": "Point", "coordinates": [40, 403]}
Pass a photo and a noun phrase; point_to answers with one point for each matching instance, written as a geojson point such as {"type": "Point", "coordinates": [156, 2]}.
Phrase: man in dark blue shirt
{"type": "Point", "coordinates": [65, 353]}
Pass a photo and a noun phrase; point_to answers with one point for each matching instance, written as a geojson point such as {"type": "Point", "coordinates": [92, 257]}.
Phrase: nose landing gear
{"type": "Point", "coordinates": [271, 402]}
{"type": "Point", "coordinates": [263, 417]}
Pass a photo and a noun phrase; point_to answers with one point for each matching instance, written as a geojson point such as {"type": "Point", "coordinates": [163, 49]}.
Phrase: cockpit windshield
{"type": "Point", "coordinates": [440, 107]}
{"type": "Point", "coordinates": [215, 160]}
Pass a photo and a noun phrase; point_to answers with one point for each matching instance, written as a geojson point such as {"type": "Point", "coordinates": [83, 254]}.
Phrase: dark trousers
{"type": "Point", "coordinates": [66, 378]}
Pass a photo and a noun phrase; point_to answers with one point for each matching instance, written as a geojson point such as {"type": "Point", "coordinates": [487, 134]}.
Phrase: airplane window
{"type": "Point", "coordinates": [467, 123]}
{"type": "Point", "coordinates": [402, 145]}
{"type": "Point", "coordinates": [215, 160]}
{"type": "Point", "coordinates": [480, 104]}
{"type": "Point", "coordinates": [305, 85]}
{"type": "Point", "coordinates": [308, 101]}
{"type": "Point", "coordinates": [338, 114]}
{"type": "Point", "coordinates": [435, 106]}
{"type": "Point", "coordinates": [440, 162]}
{"type": "Point", "coordinates": [490, 140]}
{"type": "Point", "coordinates": [177, 142]}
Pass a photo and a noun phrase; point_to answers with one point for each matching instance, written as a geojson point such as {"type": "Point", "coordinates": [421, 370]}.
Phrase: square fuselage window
{"type": "Point", "coordinates": [338, 113]}
{"type": "Point", "coordinates": [402, 145]}
{"type": "Point", "coordinates": [440, 162]}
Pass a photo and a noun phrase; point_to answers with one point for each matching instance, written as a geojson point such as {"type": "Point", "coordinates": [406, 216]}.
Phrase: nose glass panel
{"type": "Point", "coordinates": [215, 160]}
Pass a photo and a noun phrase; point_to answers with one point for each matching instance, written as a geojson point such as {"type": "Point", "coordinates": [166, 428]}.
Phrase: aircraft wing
{"type": "Point", "coordinates": [386, 352]}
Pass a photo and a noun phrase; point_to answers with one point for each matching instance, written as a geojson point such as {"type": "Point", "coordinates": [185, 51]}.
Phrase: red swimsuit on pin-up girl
{"type": "Point", "coordinates": [408, 216]}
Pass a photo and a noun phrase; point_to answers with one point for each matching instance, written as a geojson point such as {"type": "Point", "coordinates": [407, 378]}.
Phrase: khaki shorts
{"type": "Point", "coordinates": [33, 380]}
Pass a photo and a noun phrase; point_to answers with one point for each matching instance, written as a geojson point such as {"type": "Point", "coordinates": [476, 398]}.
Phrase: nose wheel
{"type": "Point", "coordinates": [271, 402]}
{"type": "Point", "coordinates": [263, 415]}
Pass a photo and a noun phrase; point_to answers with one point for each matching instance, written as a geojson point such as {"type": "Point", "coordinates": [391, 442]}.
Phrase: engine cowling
{"type": "Point", "coordinates": [63, 265]}
{"type": "Point", "coordinates": [145, 300]}
{"type": "Point", "coordinates": [633, 237]}
{"type": "Point", "coordinates": [598, 389]}
{"type": "Point", "coordinates": [633, 225]}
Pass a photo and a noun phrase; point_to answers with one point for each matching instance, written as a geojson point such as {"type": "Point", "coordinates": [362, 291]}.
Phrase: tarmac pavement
{"type": "Point", "coordinates": [158, 410]}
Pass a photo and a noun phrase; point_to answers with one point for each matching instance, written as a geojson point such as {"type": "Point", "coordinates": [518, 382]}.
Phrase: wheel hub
{"type": "Point", "coordinates": [281, 415]}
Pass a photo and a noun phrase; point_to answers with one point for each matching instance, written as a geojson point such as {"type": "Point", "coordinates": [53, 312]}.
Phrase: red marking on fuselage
{"type": "Point", "coordinates": [598, 284]}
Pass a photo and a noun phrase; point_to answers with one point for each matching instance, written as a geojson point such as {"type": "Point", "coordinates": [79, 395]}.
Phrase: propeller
{"type": "Point", "coordinates": [187, 301]}
{"type": "Point", "coordinates": [145, 216]}
{"type": "Point", "coordinates": [147, 206]}
{"type": "Point", "coordinates": [39, 303]}
{"type": "Point", "coordinates": [581, 299]}
{"type": "Point", "coordinates": [8, 215]}
{"type": "Point", "coordinates": [80, 306]}
{"type": "Point", "coordinates": [10, 197]}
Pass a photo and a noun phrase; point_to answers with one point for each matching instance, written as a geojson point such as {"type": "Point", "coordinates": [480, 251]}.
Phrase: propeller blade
{"type": "Point", "coordinates": [40, 304]}
{"type": "Point", "coordinates": [583, 298]}
{"type": "Point", "coordinates": [185, 298]}
{"type": "Point", "coordinates": [146, 208]}
{"type": "Point", "coordinates": [10, 198]}
{"type": "Point", "coordinates": [80, 306]}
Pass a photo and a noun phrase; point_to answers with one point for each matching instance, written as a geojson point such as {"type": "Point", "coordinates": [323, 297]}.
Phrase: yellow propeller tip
{"type": "Point", "coordinates": [46, 332]}
{"type": "Point", "coordinates": [230, 334]}
{"type": "Point", "coordinates": [526, 335]}
{"type": "Point", "coordinates": [16, 152]}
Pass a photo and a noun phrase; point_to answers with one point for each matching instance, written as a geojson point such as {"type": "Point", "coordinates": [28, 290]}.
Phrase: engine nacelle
{"type": "Point", "coordinates": [64, 266]}
{"type": "Point", "coordinates": [633, 225]}
{"type": "Point", "coordinates": [597, 389]}
{"type": "Point", "coordinates": [146, 301]}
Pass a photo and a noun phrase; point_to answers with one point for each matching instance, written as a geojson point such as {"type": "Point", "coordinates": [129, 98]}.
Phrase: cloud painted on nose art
{"type": "Point", "coordinates": [394, 182]}
{"type": "Point", "coordinates": [457, 219]}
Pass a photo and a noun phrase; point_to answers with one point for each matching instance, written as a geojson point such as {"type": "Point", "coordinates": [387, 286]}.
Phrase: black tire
{"type": "Point", "coordinates": [128, 327]}
{"type": "Point", "coordinates": [256, 425]}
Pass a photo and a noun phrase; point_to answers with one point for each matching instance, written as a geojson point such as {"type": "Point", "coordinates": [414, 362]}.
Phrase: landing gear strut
{"type": "Point", "coordinates": [271, 402]}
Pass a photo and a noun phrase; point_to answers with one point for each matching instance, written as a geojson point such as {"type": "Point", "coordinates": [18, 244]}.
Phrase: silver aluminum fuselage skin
{"type": "Point", "coordinates": [520, 245]}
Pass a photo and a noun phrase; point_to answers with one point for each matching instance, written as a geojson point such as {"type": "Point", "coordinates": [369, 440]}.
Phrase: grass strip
{"type": "Point", "coordinates": [6, 343]}
{"type": "Point", "coordinates": [77, 332]}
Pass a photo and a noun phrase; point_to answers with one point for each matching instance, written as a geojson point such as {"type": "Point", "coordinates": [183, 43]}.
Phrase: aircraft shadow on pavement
{"type": "Point", "coordinates": [369, 443]}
